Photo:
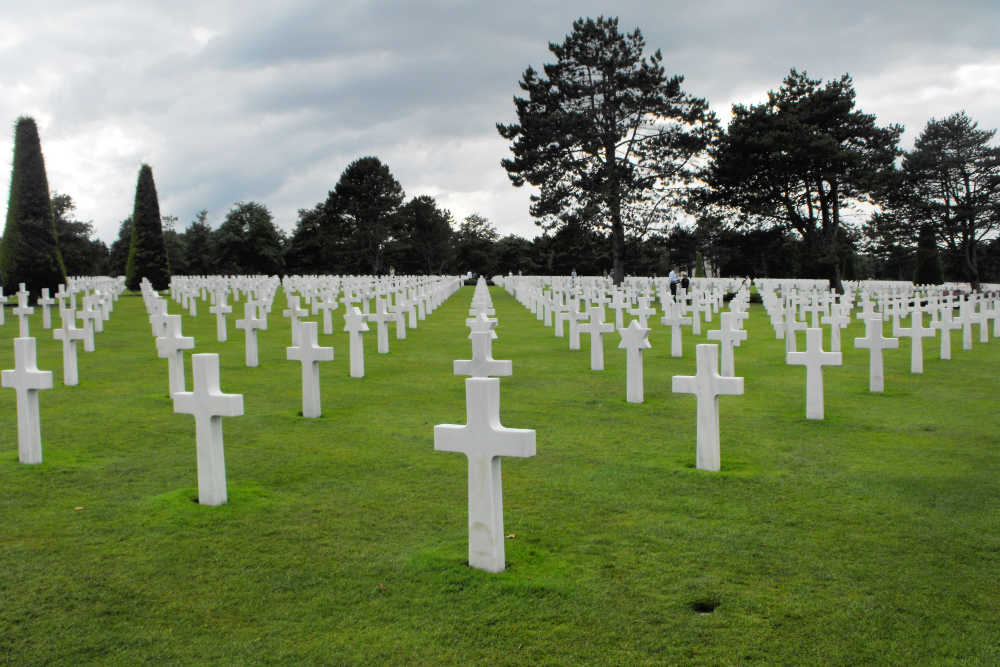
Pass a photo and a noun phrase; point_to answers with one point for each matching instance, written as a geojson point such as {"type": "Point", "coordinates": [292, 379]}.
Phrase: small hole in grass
{"type": "Point", "coordinates": [194, 499]}
{"type": "Point", "coordinates": [704, 605]}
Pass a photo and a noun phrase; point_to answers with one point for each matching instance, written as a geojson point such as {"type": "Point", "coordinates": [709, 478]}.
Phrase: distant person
{"type": "Point", "coordinates": [673, 281]}
{"type": "Point", "coordinates": [685, 283]}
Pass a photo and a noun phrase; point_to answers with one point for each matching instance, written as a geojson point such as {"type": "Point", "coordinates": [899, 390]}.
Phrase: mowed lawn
{"type": "Point", "coordinates": [870, 537]}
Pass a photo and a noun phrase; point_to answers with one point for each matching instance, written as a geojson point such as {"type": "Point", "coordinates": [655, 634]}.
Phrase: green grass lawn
{"type": "Point", "coordinates": [870, 537]}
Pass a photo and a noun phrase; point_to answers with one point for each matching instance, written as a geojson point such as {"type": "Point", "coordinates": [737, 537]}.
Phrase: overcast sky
{"type": "Point", "coordinates": [269, 101]}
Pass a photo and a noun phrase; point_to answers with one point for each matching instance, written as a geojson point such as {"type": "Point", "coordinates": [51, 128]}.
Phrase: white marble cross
{"type": "Point", "coordinates": [69, 335]}
{"type": "Point", "coordinates": [482, 363]}
{"type": "Point", "coordinates": [946, 324]}
{"type": "Point", "coordinates": [326, 305]}
{"type": "Point", "coordinates": [643, 311]}
{"type": "Point", "coordinates": [634, 339]}
{"type": "Point", "coordinates": [618, 304]}
{"type": "Point", "coordinates": [157, 311]}
{"type": "Point", "coordinates": [398, 311]}
{"type": "Point", "coordinates": [208, 405]}
{"type": "Point", "coordinates": [875, 343]}
{"type": "Point", "coordinates": [574, 317]}
{"type": "Point", "coordinates": [838, 318]}
{"type": "Point", "coordinates": [596, 326]}
{"type": "Point", "coordinates": [354, 324]}
{"type": "Point", "coordinates": [814, 358]}
{"type": "Point", "coordinates": [250, 325]}
{"type": "Point", "coordinates": [90, 318]}
{"type": "Point", "coordinates": [560, 313]}
{"type": "Point", "coordinates": [708, 385]}
{"type": "Point", "coordinates": [381, 317]}
{"type": "Point", "coordinates": [310, 353]}
{"type": "Point", "coordinates": [729, 336]}
{"type": "Point", "coordinates": [968, 316]}
{"type": "Point", "coordinates": [26, 380]}
{"type": "Point", "coordinates": [484, 440]}
{"type": "Point", "coordinates": [792, 324]}
{"type": "Point", "coordinates": [46, 301]}
{"type": "Point", "coordinates": [294, 313]}
{"type": "Point", "coordinates": [220, 309]}
{"type": "Point", "coordinates": [673, 318]}
{"type": "Point", "coordinates": [22, 310]}
{"type": "Point", "coordinates": [171, 346]}
{"type": "Point", "coordinates": [916, 332]}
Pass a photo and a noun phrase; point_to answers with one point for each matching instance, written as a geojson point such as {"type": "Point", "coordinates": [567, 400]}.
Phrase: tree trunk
{"type": "Point", "coordinates": [971, 265]}
{"type": "Point", "coordinates": [617, 246]}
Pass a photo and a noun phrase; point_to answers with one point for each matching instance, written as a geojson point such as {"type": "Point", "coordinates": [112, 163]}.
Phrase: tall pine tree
{"type": "Point", "coordinates": [30, 251]}
{"type": "Point", "coordinates": [147, 257]}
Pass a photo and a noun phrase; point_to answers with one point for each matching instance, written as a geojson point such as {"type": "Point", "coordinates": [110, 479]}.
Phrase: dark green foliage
{"type": "Point", "coordinates": [362, 207]}
{"type": "Point", "coordinates": [247, 242]}
{"type": "Point", "coordinates": [199, 247]}
{"type": "Point", "coordinates": [515, 255]}
{"type": "Point", "coordinates": [699, 265]}
{"type": "Point", "coordinates": [473, 243]}
{"type": "Point", "coordinates": [928, 262]}
{"type": "Point", "coordinates": [605, 135]}
{"type": "Point", "coordinates": [311, 248]}
{"type": "Point", "coordinates": [81, 254]}
{"type": "Point", "coordinates": [175, 245]}
{"type": "Point", "coordinates": [574, 247]}
{"type": "Point", "coordinates": [801, 158]}
{"type": "Point", "coordinates": [29, 252]}
{"type": "Point", "coordinates": [952, 181]}
{"type": "Point", "coordinates": [422, 232]}
{"type": "Point", "coordinates": [147, 256]}
{"type": "Point", "coordinates": [118, 253]}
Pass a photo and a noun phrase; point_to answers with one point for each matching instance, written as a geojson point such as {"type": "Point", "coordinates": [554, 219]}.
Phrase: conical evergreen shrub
{"type": "Point", "coordinates": [30, 251]}
{"type": "Point", "coordinates": [147, 256]}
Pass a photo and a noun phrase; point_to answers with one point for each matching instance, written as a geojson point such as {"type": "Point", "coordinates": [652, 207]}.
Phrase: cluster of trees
{"type": "Point", "coordinates": [633, 175]}
{"type": "Point", "coordinates": [364, 226]}
{"type": "Point", "coordinates": [614, 146]}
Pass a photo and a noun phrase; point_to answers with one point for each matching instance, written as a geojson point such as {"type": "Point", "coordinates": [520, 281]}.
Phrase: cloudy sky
{"type": "Point", "coordinates": [269, 101]}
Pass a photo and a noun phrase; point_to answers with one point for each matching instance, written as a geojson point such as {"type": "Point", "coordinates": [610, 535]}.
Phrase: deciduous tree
{"type": "Point", "coordinates": [422, 234]}
{"type": "Point", "coordinates": [82, 255]}
{"type": "Point", "coordinates": [365, 200]}
{"type": "Point", "coordinates": [247, 242]}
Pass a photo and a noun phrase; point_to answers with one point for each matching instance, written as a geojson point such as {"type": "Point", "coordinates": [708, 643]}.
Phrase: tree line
{"type": "Point", "coordinates": [632, 175]}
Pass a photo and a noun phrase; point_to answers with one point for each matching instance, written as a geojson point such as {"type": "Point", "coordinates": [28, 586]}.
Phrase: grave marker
{"type": "Point", "coordinates": [26, 380]}
{"type": "Point", "coordinates": [634, 339]}
{"type": "Point", "coordinates": [208, 405]}
{"type": "Point", "coordinates": [707, 385]}
{"type": "Point", "coordinates": [171, 346]}
{"type": "Point", "coordinates": [354, 324]}
{"type": "Point", "coordinates": [310, 353]}
{"type": "Point", "coordinates": [251, 324]}
{"type": "Point", "coordinates": [875, 343]}
{"type": "Point", "coordinates": [69, 335]}
{"type": "Point", "coordinates": [484, 440]}
{"type": "Point", "coordinates": [596, 326]}
{"type": "Point", "coordinates": [916, 332]}
{"type": "Point", "coordinates": [814, 358]}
